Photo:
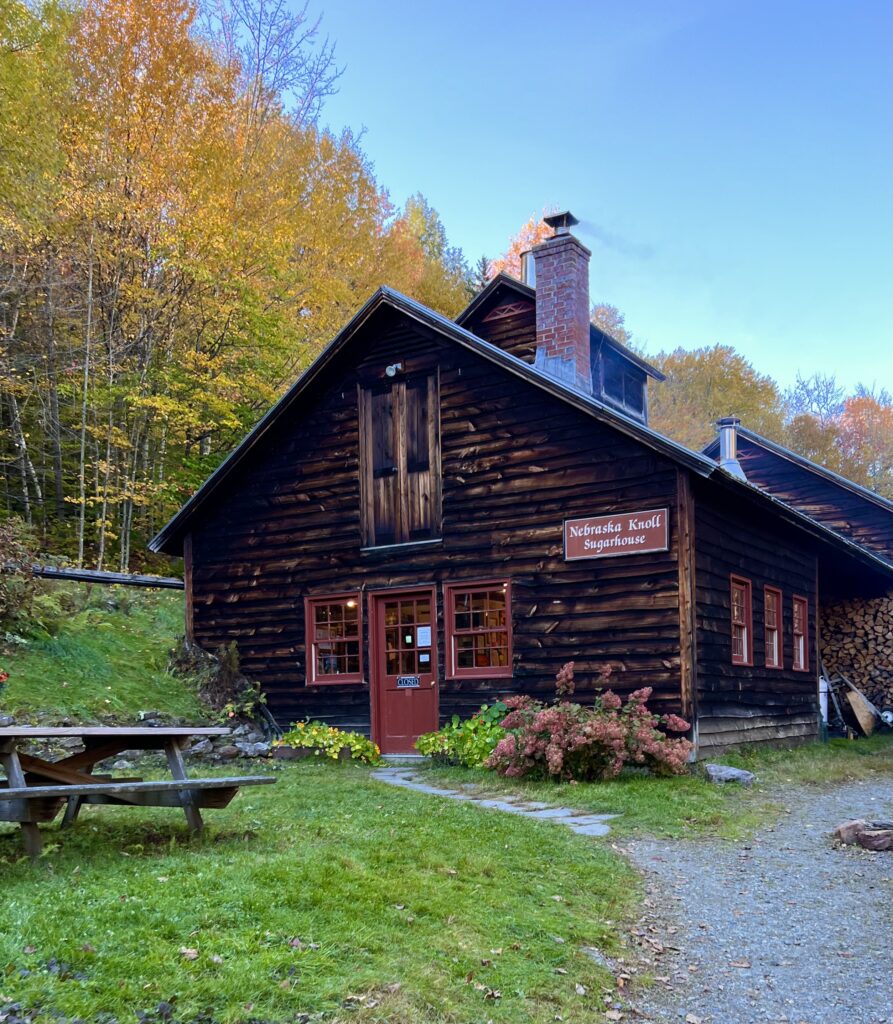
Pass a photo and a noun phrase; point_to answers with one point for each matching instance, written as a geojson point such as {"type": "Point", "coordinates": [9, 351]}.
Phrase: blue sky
{"type": "Point", "coordinates": [733, 155]}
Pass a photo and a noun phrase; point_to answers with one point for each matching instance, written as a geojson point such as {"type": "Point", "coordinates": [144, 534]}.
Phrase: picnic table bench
{"type": "Point", "coordinates": [35, 789]}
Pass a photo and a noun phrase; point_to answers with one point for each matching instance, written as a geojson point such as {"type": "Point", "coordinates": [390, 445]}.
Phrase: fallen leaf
{"type": "Point", "coordinates": [30, 949]}
{"type": "Point", "coordinates": [613, 1015]}
{"type": "Point", "coordinates": [188, 953]}
{"type": "Point", "coordinates": [739, 963]}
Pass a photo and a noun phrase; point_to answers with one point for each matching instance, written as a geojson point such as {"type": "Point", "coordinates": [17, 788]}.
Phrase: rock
{"type": "Point", "coordinates": [847, 831]}
{"type": "Point", "coordinates": [6, 720]}
{"type": "Point", "coordinates": [150, 717]}
{"type": "Point", "coordinates": [248, 749]}
{"type": "Point", "coordinates": [228, 752]}
{"type": "Point", "coordinates": [870, 835]}
{"type": "Point", "coordinates": [722, 773]}
{"type": "Point", "coordinates": [876, 839]}
{"type": "Point", "coordinates": [201, 747]}
{"type": "Point", "coordinates": [122, 766]}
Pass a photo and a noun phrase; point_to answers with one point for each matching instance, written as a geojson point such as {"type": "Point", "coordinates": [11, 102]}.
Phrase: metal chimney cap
{"type": "Point", "coordinates": [561, 223]}
{"type": "Point", "coordinates": [728, 421]}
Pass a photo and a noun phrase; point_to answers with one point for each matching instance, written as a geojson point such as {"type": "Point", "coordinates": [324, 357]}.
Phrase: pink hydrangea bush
{"type": "Point", "coordinates": [565, 740]}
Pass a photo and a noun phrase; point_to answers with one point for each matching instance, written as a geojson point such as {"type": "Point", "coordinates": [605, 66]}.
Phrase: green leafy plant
{"type": "Point", "coordinates": [18, 584]}
{"type": "Point", "coordinates": [327, 741]}
{"type": "Point", "coordinates": [469, 742]}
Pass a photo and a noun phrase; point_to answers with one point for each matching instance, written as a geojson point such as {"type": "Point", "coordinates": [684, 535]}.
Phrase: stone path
{"type": "Point", "coordinates": [583, 824]}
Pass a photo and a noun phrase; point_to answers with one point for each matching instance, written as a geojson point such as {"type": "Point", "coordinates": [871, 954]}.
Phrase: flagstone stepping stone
{"type": "Point", "coordinates": [582, 824]}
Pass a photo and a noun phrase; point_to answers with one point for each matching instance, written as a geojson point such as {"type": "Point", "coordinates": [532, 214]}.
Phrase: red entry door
{"type": "Point", "coordinates": [404, 669]}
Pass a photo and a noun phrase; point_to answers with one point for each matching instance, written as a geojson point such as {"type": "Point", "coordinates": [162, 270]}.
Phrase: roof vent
{"type": "Point", "coordinates": [528, 269]}
{"type": "Point", "coordinates": [728, 446]}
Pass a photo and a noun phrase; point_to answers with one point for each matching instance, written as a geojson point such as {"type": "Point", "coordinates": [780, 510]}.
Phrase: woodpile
{"type": "Point", "coordinates": [857, 642]}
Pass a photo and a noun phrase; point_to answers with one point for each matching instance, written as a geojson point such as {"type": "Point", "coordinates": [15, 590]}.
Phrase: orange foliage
{"type": "Point", "coordinates": [531, 234]}
{"type": "Point", "coordinates": [866, 440]}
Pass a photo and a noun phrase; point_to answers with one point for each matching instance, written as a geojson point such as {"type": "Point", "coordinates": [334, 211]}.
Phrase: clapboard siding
{"type": "Point", "coordinates": [516, 462]}
{"type": "Point", "coordinates": [737, 703]}
{"type": "Point", "coordinates": [831, 504]}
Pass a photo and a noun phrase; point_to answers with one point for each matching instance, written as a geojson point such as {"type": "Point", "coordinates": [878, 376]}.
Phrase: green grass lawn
{"type": "Point", "coordinates": [328, 894]}
{"type": "Point", "coordinates": [103, 658]}
{"type": "Point", "coordinates": [689, 805]}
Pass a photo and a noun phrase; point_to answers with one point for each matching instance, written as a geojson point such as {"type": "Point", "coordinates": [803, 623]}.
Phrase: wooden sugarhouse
{"type": "Point", "coordinates": [440, 513]}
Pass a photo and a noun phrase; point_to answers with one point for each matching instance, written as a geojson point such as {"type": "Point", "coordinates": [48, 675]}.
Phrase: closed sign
{"type": "Point", "coordinates": [408, 682]}
{"type": "Point", "coordinates": [630, 533]}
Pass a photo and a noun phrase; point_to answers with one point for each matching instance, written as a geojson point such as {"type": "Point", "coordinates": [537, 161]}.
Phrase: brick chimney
{"type": "Point", "coordinates": [562, 305]}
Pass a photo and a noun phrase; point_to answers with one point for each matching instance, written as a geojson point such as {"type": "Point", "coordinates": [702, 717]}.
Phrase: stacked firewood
{"type": "Point", "coordinates": [857, 642]}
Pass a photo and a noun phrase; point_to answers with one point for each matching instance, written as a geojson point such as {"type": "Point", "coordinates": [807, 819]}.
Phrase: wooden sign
{"type": "Point", "coordinates": [630, 533]}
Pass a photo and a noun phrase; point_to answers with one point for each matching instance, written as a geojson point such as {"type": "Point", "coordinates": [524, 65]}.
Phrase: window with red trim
{"type": "Point", "coordinates": [479, 629]}
{"type": "Point", "coordinates": [742, 621]}
{"type": "Point", "coordinates": [800, 621]}
{"type": "Point", "coordinates": [334, 632]}
{"type": "Point", "coordinates": [772, 633]}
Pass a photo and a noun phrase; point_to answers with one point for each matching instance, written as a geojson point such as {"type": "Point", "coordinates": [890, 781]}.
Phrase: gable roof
{"type": "Point", "coordinates": [712, 451]}
{"type": "Point", "coordinates": [170, 536]}
{"type": "Point", "coordinates": [597, 336]}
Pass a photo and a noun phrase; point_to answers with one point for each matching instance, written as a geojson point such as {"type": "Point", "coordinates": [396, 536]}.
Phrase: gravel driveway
{"type": "Point", "coordinates": [782, 928]}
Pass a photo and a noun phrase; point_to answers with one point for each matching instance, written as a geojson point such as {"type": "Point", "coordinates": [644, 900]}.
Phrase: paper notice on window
{"type": "Point", "coordinates": [423, 636]}
{"type": "Point", "coordinates": [424, 659]}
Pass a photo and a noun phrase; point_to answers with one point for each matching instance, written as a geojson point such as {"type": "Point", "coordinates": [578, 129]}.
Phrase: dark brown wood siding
{"type": "Point", "coordinates": [516, 463]}
{"type": "Point", "coordinates": [831, 504]}
{"type": "Point", "coordinates": [740, 703]}
{"type": "Point", "coordinates": [515, 333]}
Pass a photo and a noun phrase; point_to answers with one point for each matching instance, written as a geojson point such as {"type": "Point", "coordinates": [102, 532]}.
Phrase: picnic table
{"type": "Point", "coordinates": [35, 789]}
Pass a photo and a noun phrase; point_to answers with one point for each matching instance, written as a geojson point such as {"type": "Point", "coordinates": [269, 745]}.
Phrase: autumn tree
{"type": "Point", "coordinates": [866, 439]}
{"type": "Point", "coordinates": [534, 231]}
{"type": "Point", "coordinates": [441, 277]}
{"type": "Point", "coordinates": [611, 321]}
{"type": "Point", "coordinates": [179, 237]}
{"type": "Point", "coordinates": [706, 383]}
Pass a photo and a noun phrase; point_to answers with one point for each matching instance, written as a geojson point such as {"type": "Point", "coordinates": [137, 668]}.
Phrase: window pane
{"type": "Point", "coordinates": [335, 638]}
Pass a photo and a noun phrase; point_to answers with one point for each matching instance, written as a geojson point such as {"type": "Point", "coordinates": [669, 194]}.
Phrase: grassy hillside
{"type": "Point", "coordinates": [95, 653]}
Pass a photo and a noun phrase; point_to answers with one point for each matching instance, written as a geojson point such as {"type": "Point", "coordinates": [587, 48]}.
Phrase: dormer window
{"type": "Point", "coordinates": [623, 384]}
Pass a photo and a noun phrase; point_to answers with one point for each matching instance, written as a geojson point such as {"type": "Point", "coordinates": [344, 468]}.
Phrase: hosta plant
{"type": "Point", "coordinates": [468, 742]}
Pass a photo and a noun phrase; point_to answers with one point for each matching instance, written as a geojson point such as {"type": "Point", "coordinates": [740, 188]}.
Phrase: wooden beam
{"type": "Point", "coordinates": [685, 530]}
{"type": "Point", "coordinates": [124, 579]}
{"type": "Point", "coordinates": [187, 582]}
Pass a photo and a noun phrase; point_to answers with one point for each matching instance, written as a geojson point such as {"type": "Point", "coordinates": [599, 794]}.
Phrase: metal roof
{"type": "Point", "coordinates": [813, 467]}
{"type": "Point", "coordinates": [697, 462]}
